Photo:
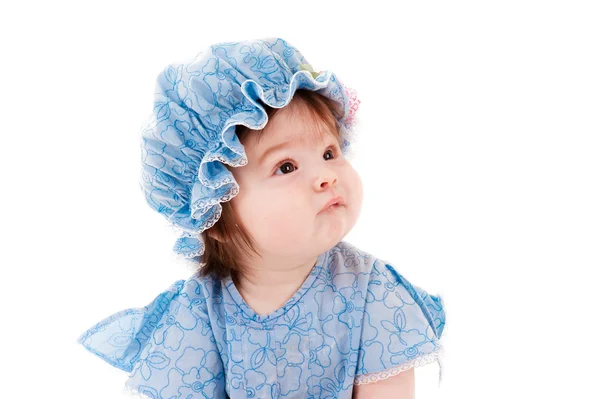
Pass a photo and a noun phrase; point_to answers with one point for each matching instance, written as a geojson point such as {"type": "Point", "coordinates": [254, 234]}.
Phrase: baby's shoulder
{"type": "Point", "coordinates": [347, 258]}
{"type": "Point", "coordinates": [350, 269]}
{"type": "Point", "coordinates": [197, 289]}
{"type": "Point", "coordinates": [378, 287]}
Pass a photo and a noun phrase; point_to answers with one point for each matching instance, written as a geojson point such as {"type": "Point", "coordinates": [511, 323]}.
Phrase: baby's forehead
{"type": "Point", "coordinates": [297, 136]}
{"type": "Point", "coordinates": [309, 138]}
{"type": "Point", "coordinates": [298, 130]}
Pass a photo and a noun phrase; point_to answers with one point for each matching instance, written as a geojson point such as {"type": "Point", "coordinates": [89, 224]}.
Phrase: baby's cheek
{"type": "Point", "coordinates": [280, 228]}
{"type": "Point", "coordinates": [248, 209]}
{"type": "Point", "coordinates": [287, 215]}
{"type": "Point", "coordinates": [352, 179]}
{"type": "Point", "coordinates": [355, 188]}
{"type": "Point", "coordinates": [359, 187]}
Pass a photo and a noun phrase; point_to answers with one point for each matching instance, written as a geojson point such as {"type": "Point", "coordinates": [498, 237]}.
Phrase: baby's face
{"type": "Point", "coordinates": [280, 203]}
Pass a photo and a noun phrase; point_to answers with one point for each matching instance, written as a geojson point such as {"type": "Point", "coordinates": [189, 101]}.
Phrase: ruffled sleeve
{"type": "Point", "coordinates": [167, 347]}
{"type": "Point", "coordinates": [402, 327]}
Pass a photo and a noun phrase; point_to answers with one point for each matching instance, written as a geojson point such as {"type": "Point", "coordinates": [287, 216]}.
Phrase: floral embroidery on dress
{"type": "Point", "coordinates": [355, 320]}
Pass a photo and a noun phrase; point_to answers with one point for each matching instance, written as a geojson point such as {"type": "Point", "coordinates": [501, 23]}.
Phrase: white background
{"type": "Point", "coordinates": [478, 146]}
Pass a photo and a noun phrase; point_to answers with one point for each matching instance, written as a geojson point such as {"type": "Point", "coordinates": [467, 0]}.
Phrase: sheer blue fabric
{"type": "Point", "coordinates": [354, 320]}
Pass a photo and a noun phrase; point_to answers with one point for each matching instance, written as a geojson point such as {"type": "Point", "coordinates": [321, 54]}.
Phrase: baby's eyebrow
{"type": "Point", "coordinates": [273, 149]}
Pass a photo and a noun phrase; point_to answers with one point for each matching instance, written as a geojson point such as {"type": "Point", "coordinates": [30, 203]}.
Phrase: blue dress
{"type": "Point", "coordinates": [354, 320]}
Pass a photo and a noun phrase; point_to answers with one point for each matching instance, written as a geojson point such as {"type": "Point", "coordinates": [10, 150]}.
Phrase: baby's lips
{"type": "Point", "coordinates": [335, 200]}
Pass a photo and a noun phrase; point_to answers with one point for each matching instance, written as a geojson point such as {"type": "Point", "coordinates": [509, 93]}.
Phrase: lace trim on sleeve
{"type": "Point", "coordinates": [383, 375]}
{"type": "Point", "coordinates": [134, 393]}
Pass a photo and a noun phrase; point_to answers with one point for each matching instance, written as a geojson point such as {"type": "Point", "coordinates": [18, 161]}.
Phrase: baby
{"type": "Point", "coordinates": [246, 155]}
{"type": "Point", "coordinates": [298, 198]}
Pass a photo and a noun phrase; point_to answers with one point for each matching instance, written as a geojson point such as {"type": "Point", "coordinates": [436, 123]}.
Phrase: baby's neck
{"type": "Point", "coordinates": [266, 290]}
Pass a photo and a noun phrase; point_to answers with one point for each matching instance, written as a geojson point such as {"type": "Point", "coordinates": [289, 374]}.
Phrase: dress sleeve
{"type": "Point", "coordinates": [167, 347]}
{"type": "Point", "coordinates": [402, 327]}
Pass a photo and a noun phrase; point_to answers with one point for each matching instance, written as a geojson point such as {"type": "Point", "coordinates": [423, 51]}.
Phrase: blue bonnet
{"type": "Point", "coordinates": [191, 133]}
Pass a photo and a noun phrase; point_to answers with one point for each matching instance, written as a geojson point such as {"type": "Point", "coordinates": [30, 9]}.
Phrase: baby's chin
{"type": "Point", "coordinates": [331, 239]}
{"type": "Point", "coordinates": [337, 223]}
{"type": "Point", "coordinates": [307, 247]}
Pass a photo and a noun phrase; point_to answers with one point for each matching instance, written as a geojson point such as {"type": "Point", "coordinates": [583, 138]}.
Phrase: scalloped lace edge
{"type": "Point", "coordinates": [383, 375]}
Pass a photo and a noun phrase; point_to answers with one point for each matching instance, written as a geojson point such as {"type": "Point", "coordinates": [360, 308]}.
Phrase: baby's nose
{"type": "Point", "coordinates": [327, 180]}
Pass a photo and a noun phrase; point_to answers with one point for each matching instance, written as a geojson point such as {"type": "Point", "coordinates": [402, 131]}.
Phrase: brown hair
{"type": "Point", "coordinates": [220, 258]}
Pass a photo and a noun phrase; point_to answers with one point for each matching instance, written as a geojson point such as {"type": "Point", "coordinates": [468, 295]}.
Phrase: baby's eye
{"type": "Point", "coordinates": [286, 166]}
